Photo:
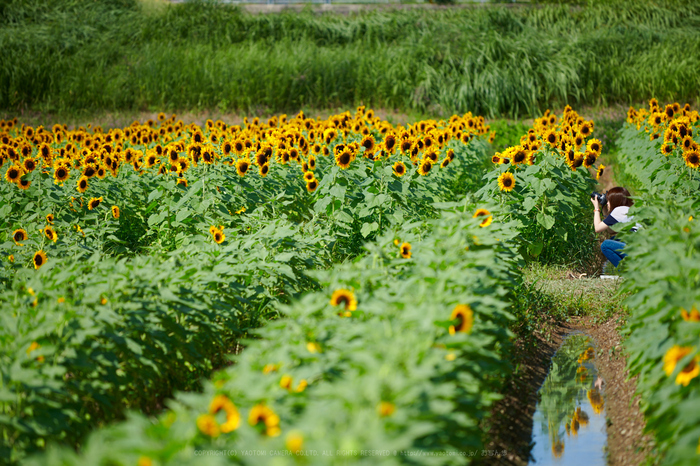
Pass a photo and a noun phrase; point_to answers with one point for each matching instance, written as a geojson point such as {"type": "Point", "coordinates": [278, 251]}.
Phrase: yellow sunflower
{"type": "Point", "coordinates": [589, 158]}
{"type": "Point", "coordinates": [49, 219]}
{"type": "Point", "coordinates": [29, 164]}
{"type": "Point", "coordinates": [294, 442]}
{"type": "Point", "coordinates": [519, 155]}
{"type": "Point", "coordinates": [312, 185]}
{"type": "Point", "coordinates": [286, 382]}
{"type": "Point", "coordinates": [389, 144]}
{"type": "Point", "coordinates": [368, 143]}
{"type": "Point", "coordinates": [671, 359]}
{"type": "Point", "coordinates": [233, 418]}
{"type": "Point", "coordinates": [405, 250]}
{"type": "Point", "coordinates": [599, 172]}
{"type": "Point", "coordinates": [345, 297]}
{"type": "Point", "coordinates": [692, 158]}
{"type": "Point", "coordinates": [39, 259]}
{"type": "Point", "coordinates": [596, 400]}
{"type": "Point", "coordinates": [343, 159]}
{"type": "Point", "coordinates": [406, 144]}
{"type": "Point", "coordinates": [82, 184]}
{"type": "Point", "coordinates": [94, 202]}
{"type": "Point", "coordinates": [506, 181]}
{"type": "Point", "coordinates": [115, 211]}
{"type": "Point", "coordinates": [208, 426]}
{"type": "Point", "coordinates": [464, 316]}
{"type": "Point", "coordinates": [218, 234]}
{"type": "Point", "coordinates": [263, 414]}
{"type": "Point", "coordinates": [586, 128]}
{"type": "Point", "coordinates": [552, 138]}
{"type": "Point", "coordinates": [692, 316]}
{"type": "Point", "coordinates": [386, 408]}
{"type": "Point", "coordinates": [19, 235]}
{"type": "Point", "coordinates": [61, 174]}
{"type": "Point", "coordinates": [595, 146]}
{"type": "Point", "coordinates": [50, 234]}
{"type": "Point", "coordinates": [484, 213]}
{"type": "Point", "coordinates": [13, 174]}
{"type": "Point", "coordinates": [242, 166]}
{"type": "Point", "coordinates": [425, 167]}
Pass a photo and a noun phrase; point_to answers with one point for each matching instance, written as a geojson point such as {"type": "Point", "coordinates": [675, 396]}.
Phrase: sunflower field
{"type": "Point", "coordinates": [363, 266]}
{"type": "Point", "coordinates": [134, 259]}
{"type": "Point", "coordinates": [322, 291]}
{"type": "Point", "coordinates": [660, 152]}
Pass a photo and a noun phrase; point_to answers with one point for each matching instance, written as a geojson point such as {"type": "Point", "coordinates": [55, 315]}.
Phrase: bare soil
{"type": "Point", "coordinates": [512, 418]}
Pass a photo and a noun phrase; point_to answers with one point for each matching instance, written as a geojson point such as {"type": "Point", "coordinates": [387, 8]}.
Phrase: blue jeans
{"type": "Point", "coordinates": [613, 251]}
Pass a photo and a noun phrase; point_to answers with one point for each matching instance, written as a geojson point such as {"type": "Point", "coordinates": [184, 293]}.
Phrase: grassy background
{"type": "Point", "coordinates": [74, 56]}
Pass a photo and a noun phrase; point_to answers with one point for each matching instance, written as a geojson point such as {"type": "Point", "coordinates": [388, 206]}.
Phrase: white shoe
{"type": "Point", "coordinates": [610, 277]}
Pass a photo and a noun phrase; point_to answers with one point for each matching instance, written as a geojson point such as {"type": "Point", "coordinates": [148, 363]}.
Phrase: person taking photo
{"type": "Point", "coordinates": [618, 202]}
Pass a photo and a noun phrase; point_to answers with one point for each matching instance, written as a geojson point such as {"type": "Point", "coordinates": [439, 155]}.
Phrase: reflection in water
{"type": "Point", "coordinates": [569, 416]}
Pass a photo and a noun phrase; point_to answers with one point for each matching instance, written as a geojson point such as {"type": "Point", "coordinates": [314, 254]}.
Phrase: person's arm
{"type": "Point", "coordinates": [598, 224]}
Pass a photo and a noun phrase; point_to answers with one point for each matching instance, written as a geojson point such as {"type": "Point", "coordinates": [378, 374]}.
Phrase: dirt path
{"type": "Point", "coordinates": [512, 423]}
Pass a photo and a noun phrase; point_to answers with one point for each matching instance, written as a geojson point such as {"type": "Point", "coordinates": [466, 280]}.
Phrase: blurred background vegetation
{"type": "Point", "coordinates": [72, 56]}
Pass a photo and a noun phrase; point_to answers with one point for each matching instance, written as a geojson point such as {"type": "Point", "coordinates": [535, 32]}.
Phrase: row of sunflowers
{"type": "Point", "coordinates": [549, 176]}
{"type": "Point", "coordinates": [400, 353]}
{"type": "Point", "coordinates": [74, 175]}
{"type": "Point", "coordinates": [659, 154]}
{"type": "Point", "coordinates": [123, 281]}
{"type": "Point", "coordinates": [170, 147]}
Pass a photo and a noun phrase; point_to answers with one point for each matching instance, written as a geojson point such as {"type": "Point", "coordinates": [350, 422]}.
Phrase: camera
{"type": "Point", "coordinates": [602, 198]}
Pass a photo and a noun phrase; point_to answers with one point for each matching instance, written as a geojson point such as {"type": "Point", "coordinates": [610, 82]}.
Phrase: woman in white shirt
{"type": "Point", "coordinates": [618, 205]}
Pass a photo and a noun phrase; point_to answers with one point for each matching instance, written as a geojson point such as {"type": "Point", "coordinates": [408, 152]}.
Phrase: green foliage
{"type": "Point", "coordinates": [70, 56]}
{"type": "Point", "coordinates": [662, 279]}
{"type": "Point", "coordinates": [656, 175]}
{"type": "Point", "coordinates": [124, 333]}
{"type": "Point", "coordinates": [564, 297]}
{"type": "Point", "coordinates": [551, 204]}
{"type": "Point", "coordinates": [129, 308]}
{"type": "Point", "coordinates": [508, 133]}
{"type": "Point", "coordinates": [395, 348]}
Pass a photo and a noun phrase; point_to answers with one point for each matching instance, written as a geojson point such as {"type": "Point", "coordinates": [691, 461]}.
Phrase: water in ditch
{"type": "Point", "coordinates": [569, 421]}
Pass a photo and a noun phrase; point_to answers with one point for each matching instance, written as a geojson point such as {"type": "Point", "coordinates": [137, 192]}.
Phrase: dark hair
{"type": "Point", "coordinates": [617, 197]}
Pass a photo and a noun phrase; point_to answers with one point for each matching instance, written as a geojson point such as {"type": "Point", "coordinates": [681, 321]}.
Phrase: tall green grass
{"type": "Point", "coordinates": [67, 55]}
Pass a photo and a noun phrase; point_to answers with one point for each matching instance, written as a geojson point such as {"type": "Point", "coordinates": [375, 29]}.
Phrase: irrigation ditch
{"type": "Point", "coordinates": [514, 417]}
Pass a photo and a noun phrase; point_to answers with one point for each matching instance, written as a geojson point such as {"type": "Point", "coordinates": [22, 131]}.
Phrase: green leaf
{"type": "Point", "coordinates": [343, 216]}
{"type": "Point", "coordinates": [155, 194]}
{"type": "Point", "coordinates": [535, 249]}
{"type": "Point", "coordinates": [337, 191]}
{"type": "Point", "coordinates": [368, 228]}
{"type": "Point", "coordinates": [529, 203]}
{"type": "Point", "coordinates": [547, 221]}
{"type": "Point", "coordinates": [182, 214]}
